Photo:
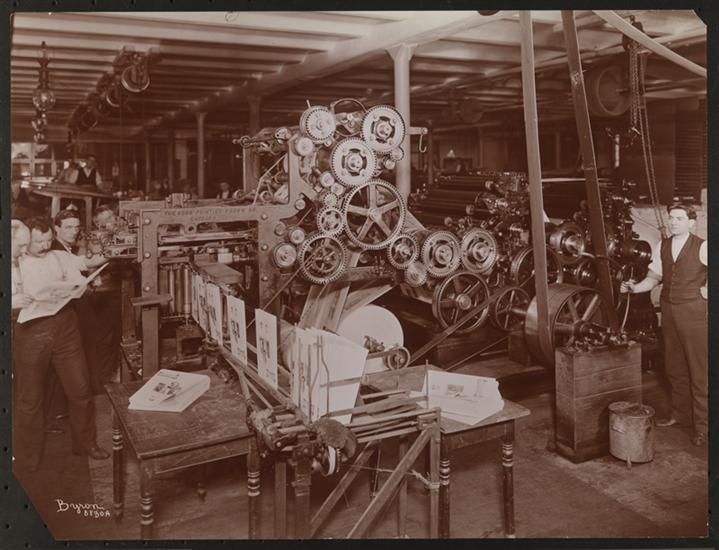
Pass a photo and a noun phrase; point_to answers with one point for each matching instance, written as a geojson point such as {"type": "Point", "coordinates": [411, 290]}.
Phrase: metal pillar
{"type": "Point", "coordinates": [171, 159]}
{"type": "Point", "coordinates": [534, 169]}
{"type": "Point", "coordinates": [200, 154]}
{"type": "Point", "coordinates": [401, 55]}
{"type": "Point", "coordinates": [586, 145]}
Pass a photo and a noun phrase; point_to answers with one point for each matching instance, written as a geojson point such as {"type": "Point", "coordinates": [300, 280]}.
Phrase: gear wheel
{"type": "Point", "coordinates": [569, 241]}
{"type": "Point", "coordinates": [383, 128]}
{"type": "Point", "coordinates": [509, 309]}
{"type": "Point", "coordinates": [402, 251]}
{"type": "Point", "coordinates": [322, 258]}
{"type": "Point", "coordinates": [458, 294]}
{"type": "Point", "coordinates": [284, 255]}
{"type": "Point", "coordinates": [479, 251]}
{"type": "Point", "coordinates": [353, 162]}
{"type": "Point", "coordinates": [416, 274]}
{"type": "Point", "coordinates": [330, 221]}
{"type": "Point", "coordinates": [521, 270]}
{"type": "Point", "coordinates": [330, 199]}
{"type": "Point", "coordinates": [374, 214]}
{"type": "Point", "coordinates": [318, 123]}
{"type": "Point", "coordinates": [441, 253]}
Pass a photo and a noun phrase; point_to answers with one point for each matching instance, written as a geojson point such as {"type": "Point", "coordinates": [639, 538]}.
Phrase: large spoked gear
{"type": "Point", "coordinates": [575, 315]}
{"type": "Point", "coordinates": [510, 308]}
{"type": "Point", "coordinates": [322, 258]}
{"type": "Point", "coordinates": [458, 294]}
{"type": "Point", "coordinates": [441, 253]}
{"type": "Point", "coordinates": [569, 241]}
{"type": "Point", "coordinates": [383, 128]}
{"type": "Point", "coordinates": [353, 162]}
{"type": "Point", "coordinates": [480, 251]}
{"type": "Point", "coordinates": [318, 123]}
{"type": "Point", "coordinates": [521, 271]}
{"type": "Point", "coordinates": [330, 221]}
{"type": "Point", "coordinates": [374, 214]}
{"type": "Point", "coordinates": [416, 274]}
{"type": "Point", "coordinates": [402, 251]}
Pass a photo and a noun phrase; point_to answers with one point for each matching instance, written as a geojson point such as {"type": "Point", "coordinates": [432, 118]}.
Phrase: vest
{"type": "Point", "coordinates": [82, 179]}
{"type": "Point", "coordinates": [682, 279]}
{"type": "Point", "coordinates": [57, 245]}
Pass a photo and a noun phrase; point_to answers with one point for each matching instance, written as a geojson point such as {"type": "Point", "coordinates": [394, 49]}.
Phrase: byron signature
{"type": "Point", "coordinates": [85, 510]}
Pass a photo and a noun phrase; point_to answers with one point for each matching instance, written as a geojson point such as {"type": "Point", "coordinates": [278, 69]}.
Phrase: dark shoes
{"type": "Point", "coordinates": [94, 452]}
{"type": "Point", "coordinates": [699, 439]}
{"type": "Point", "coordinates": [53, 428]}
{"type": "Point", "coordinates": [665, 422]}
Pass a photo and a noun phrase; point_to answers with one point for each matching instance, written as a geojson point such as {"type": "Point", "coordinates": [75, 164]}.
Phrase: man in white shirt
{"type": "Point", "coordinates": [50, 342]}
{"type": "Point", "coordinates": [86, 174]}
{"type": "Point", "coordinates": [678, 265]}
{"type": "Point", "coordinates": [20, 239]}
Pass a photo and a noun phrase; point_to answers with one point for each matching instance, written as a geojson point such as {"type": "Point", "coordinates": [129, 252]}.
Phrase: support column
{"type": "Point", "coordinates": [401, 56]}
{"type": "Point", "coordinates": [201, 154]}
{"type": "Point", "coordinates": [148, 165]}
{"type": "Point", "coordinates": [171, 159]}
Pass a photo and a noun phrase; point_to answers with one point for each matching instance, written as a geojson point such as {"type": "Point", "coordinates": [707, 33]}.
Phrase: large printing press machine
{"type": "Point", "coordinates": [319, 239]}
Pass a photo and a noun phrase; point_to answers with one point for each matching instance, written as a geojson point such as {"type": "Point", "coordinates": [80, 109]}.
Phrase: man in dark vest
{"type": "Point", "coordinates": [676, 262]}
{"type": "Point", "coordinates": [88, 174]}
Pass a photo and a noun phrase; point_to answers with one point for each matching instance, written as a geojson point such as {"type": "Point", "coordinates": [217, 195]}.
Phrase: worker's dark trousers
{"type": "Point", "coordinates": [684, 327]}
{"type": "Point", "coordinates": [38, 346]}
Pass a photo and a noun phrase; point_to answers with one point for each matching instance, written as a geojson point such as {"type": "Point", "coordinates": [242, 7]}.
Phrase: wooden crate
{"type": "Point", "coordinates": [586, 383]}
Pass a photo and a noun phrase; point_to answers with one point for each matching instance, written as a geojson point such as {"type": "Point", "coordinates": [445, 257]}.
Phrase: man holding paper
{"type": "Point", "coordinates": [49, 339]}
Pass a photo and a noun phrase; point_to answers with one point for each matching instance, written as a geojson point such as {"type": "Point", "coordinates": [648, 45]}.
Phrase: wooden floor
{"type": "Point", "coordinates": [554, 497]}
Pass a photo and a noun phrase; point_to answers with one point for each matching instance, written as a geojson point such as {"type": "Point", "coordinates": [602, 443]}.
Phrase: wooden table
{"type": "Point", "coordinates": [456, 435]}
{"type": "Point", "coordinates": [213, 428]}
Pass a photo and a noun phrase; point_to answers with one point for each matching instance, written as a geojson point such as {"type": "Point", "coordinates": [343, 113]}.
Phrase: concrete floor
{"type": "Point", "coordinates": [553, 496]}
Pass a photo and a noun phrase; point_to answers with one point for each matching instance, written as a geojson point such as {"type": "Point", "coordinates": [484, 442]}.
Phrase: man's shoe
{"type": "Point", "coordinates": [699, 439]}
{"type": "Point", "coordinates": [61, 416]}
{"type": "Point", "coordinates": [665, 422]}
{"type": "Point", "coordinates": [94, 452]}
{"type": "Point", "coordinates": [54, 429]}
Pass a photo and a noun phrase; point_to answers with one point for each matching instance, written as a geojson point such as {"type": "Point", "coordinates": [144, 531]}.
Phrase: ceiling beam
{"type": "Point", "coordinates": [419, 29]}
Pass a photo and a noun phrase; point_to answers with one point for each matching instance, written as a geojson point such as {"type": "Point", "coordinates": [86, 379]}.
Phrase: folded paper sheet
{"type": "Point", "coordinates": [238, 328]}
{"type": "Point", "coordinates": [266, 328]}
{"type": "Point", "coordinates": [214, 311]}
{"type": "Point", "coordinates": [169, 391]}
{"type": "Point", "coordinates": [326, 371]}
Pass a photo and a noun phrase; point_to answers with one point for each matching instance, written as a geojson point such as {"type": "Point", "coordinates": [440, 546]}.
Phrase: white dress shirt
{"type": "Point", "coordinates": [677, 245]}
{"type": "Point", "coordinates": [53, 267]}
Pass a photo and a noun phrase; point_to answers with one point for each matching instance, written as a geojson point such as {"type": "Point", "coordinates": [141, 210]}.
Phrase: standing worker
{"type": "Point", "coordinates": [677, 263]}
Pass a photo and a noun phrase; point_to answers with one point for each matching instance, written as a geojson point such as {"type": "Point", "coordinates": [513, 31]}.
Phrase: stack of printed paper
{"type": "Point", "coordinates": [462, 397]}
{"type": "Point", "coordinates": [169, 391]}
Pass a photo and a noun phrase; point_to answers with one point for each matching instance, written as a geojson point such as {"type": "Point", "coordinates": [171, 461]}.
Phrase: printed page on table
{"type": "Point", "coordinates": [214, 311]}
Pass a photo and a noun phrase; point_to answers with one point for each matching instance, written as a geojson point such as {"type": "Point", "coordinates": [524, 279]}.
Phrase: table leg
{"type": "Point", "coordinates": [118, 481]}
{"type": "Point", "coordinates": [435, 451]}
{"type": "Point", "coordinates": [444, 492]}
{"type": "Point", "coordinates": [253, 489]}
{"type": "Point", "coordinates": [402, 496]}
{"type": "Point", "coordinates": [147, 495]}
{"type": "Point", "coordinates": [508, 479]}
{"type": "Point", "coordinates": [280, 498]}
{"type": "Point", "coordinates": [302, 483]}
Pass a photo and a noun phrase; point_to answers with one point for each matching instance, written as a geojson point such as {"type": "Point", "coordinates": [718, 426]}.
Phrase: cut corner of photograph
{"type": "Point", "coordinates": [378, 274]}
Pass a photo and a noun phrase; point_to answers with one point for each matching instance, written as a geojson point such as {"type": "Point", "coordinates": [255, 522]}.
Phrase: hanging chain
{"type": "Point", "coordinates": [639, 121]}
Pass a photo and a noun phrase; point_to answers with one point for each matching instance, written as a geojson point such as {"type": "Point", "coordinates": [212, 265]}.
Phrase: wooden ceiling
{"type": "Point", "coordinates": [213, 61]}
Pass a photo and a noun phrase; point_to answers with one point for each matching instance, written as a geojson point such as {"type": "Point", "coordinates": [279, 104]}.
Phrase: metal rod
{"type": "Point", "coordinates": [536, 203]}
{"type": "Point", "coordinates": [586, 143]}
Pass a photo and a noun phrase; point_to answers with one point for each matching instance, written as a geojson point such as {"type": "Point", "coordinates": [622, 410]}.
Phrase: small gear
{"type": "Point", "coordinates": [330, 220]}
{"type": "Point", "coordinates": [402, 251]}
{"type": "Point", "coordinates": [441, 253]}
{"type": "Point", "coordinates": [353, 162]}
{"type": "Point", "coordinates": [284, 255]}
{"type": "Point", "coordinates": [322, 258]}
{"type": "Point", "coordinates": [330, 199]}
{"type": "Point", "coordinates": [396, 154]}
{"type": "Point", "coordinates": [296, 235]}
{"type": "Point", "coordinates": [318, 123]}
{"type": "Point", "coordinates": [383, 128]}
{"type": "Point", "coordinates": [374, 214]}
{"type": "Point", "coordinates": [416, 274]}
{"type": "Point", "coordinates": [326, 179]}
{"type": "Point", "coordinates": [479, 251]}
{"type": "Point", "coordinates": [304, 146]}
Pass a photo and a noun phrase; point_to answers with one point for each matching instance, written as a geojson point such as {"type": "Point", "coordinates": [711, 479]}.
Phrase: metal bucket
{"type": "Point", "coordinates": [631, 432]}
